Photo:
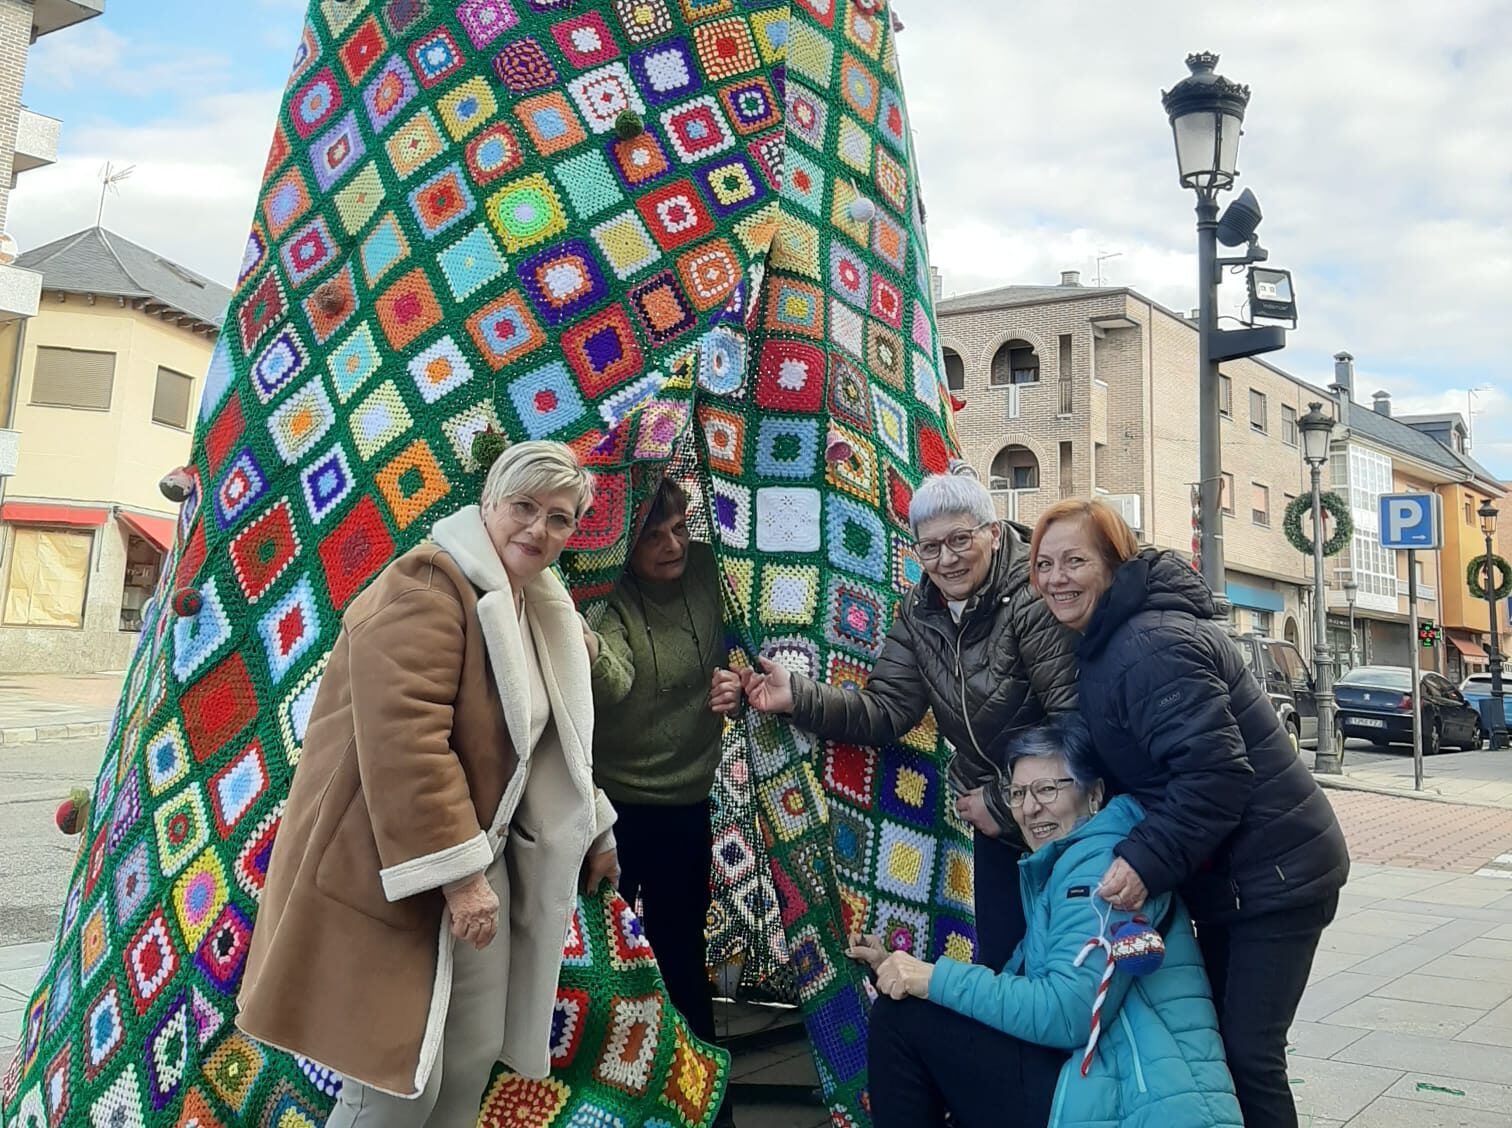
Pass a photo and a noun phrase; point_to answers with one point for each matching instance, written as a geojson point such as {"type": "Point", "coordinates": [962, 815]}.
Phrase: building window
{"type": "Point", "coordinates": [1257, 412]}
{"type": "Point", "coordinates": [1225, 395]}
{"type": "Point", "coordinates": [170, 400]}
{"type": "Point", "coordinates": [73, 378]}
{"type": "Point", "coordinates": [1226, 494]}
{"type": "Point", "coordinates": [1262, 622]}
{"type": "Point", "coordinates": [1067, 400]}
{"type": "Point", "coordinates": [1015, 363]}
{"type": "Point", "coordinates": [1015, 468]}
{"type": "Point", "coordinates": [1469, 514]}
{"type": "Point", "coordinates": [1067, 485]}
{"type": "Point", "coordinates": [955, 371]}
{"type": "Point", "coordinates": [1260, 504]}
{"type": "Point", "coordinates": [47, 579]}
{"type": "Point", "coordinates": [1374, 567]}
{"type": "Point", "coordinates": [1288, 425]}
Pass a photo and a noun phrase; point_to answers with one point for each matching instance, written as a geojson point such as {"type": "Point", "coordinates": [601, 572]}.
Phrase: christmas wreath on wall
{"type": "Point", "coordinates": [1477, 569]}
{"type": "Point", "coordinates": [1334, 506]}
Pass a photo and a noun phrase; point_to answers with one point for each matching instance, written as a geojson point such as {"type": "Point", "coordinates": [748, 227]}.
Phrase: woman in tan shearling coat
{"type": "Point", "coordinates": [442, 814]}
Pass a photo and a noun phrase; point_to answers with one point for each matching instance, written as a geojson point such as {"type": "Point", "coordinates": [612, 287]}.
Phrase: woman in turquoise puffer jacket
{"type": "Point", "coordinates": [1007, 1049]}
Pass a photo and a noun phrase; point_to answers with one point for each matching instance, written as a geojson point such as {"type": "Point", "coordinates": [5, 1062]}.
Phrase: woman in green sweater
{"type": "Point", "coordinates": [660, 698]}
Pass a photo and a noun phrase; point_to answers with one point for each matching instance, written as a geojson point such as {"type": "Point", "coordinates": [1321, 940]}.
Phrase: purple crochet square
{"type": "Point", "coordinates": [486, 20]}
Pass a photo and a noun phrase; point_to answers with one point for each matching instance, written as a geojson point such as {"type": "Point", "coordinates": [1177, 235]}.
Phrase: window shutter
{"type": "Point", "coordinates": [170, 400]}
{"type": "Point", "coordinates": [73, 378]}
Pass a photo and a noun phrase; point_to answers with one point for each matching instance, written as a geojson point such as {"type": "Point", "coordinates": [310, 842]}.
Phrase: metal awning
{"type": "Point", "coordinates": [157, 530]}
{"type": "Point", "coordinates": [1469, 649]}
{"type": "Point", "coordinates": [37, 513]}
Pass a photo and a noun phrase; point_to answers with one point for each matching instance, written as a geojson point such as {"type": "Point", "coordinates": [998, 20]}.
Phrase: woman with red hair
{"type": "Point", "coordinates": [1234, 821]}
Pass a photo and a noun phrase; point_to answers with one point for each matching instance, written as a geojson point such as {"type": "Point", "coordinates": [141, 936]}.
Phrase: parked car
{"type": "Point", "coordinates": [1477, 691]}
{"type": "Point", "coordinates": [1375, 704]}
{"type": "Point", "coordinates": [1287, 681]}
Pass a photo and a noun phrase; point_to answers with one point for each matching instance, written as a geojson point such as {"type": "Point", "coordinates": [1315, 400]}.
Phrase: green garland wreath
{"type": "Point", "coordinates": [1477, 568]}
{"type": "Point", "coordinates": [1334, 505]}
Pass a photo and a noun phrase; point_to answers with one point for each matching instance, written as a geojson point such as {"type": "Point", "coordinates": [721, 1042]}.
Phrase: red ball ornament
{"type": "Point", "coordinates": [187, 602]}
{"type": "Point", "coordinates": [67, 817]}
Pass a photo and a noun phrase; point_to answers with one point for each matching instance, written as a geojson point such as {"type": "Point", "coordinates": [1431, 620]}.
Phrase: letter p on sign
{"type": "Point", "coordinates": [1409, 521]}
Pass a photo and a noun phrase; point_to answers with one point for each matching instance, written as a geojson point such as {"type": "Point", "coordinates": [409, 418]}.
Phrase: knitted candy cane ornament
{"type": "Point", "coordinates": [1136, 947]}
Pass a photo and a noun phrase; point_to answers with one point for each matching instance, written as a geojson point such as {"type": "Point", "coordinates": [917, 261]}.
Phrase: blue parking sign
{"type": "Point", "coordinates": [1410, 521]}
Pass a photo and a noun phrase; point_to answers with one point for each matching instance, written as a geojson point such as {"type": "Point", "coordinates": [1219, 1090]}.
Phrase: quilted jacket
{"type": "Point", "coordinates": [1159, 1059]}
{"type": "Point", "coordinates": [1235, 820]}
{"type": "Point", "coordinates": [1001, 669]}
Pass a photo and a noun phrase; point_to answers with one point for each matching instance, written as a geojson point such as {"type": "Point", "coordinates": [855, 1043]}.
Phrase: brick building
{"type": "Point", "coordinates": [1076, 391]}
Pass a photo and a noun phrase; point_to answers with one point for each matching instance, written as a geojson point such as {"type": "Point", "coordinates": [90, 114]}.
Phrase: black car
{"type": "Point", "coordinates": [1375, 704]}
{"type": "Point", "coordinates": [1281, 672]}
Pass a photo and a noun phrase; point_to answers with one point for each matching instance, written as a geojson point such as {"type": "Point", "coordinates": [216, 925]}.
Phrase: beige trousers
{"type": "Point", "coordinates": [470, 1044]}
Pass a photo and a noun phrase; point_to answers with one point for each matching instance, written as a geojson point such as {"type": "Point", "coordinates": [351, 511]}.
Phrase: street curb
{"type": "Point", "coordinates": [42, 734]}
{"type": "Point", "coordinates": [1343, 783]}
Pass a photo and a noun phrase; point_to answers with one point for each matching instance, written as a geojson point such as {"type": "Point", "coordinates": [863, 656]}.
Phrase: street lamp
{"type": "Point", "coordinates": [1207, 115]}
{"type": "Point", "coordinates": [1351, 593]}
{"type": "Point", "coordinates": [1498, 706]}
{"type": "Point", "coordinates": [1317, 430]}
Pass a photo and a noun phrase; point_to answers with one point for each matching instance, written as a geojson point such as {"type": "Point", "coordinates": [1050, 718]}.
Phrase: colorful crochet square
{"type": "Point", "coordinates": [631, 225]}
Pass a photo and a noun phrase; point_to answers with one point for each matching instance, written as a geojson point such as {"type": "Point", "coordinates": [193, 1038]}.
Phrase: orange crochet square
{"type": "Point", "coordinates": [408, 308]}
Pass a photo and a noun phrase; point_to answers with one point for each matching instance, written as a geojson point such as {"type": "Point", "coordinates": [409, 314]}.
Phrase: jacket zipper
{"type": "Point", "coordinates": [1234, 885]}
{"type": "Point", "coordinates": [1139, 1077]}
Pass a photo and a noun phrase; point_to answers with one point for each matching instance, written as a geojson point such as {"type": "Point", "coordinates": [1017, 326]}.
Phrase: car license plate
{"type": "Point", "coordinates": [1369, 722]}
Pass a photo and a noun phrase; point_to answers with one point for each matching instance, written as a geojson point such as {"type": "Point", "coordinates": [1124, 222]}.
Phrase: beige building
{"type": "Point", "coordinates": [101, 387]}
{"type": "Point", "coordinates": [1076, 391]}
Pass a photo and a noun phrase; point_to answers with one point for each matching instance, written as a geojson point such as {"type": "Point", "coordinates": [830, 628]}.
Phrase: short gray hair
{"type": "Point", "coordinates": [1064, 734]}
{"type": "Point", "coordinates": [959, 492]}
{"type": "Point", "coordinates": [537, 467]}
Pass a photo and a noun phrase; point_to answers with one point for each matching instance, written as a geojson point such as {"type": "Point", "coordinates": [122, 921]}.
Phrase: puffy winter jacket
{"type": "Point", "coordinates": [1159, 1059]}
{"type": "Point", "coordinates": [1235, 820]}
{"type": "Point", "coordinates": [1001, 669]}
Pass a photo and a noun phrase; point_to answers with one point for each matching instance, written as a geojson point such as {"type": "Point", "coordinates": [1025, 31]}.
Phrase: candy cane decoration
{"type": "Point", "coordinates": [1102, 993]}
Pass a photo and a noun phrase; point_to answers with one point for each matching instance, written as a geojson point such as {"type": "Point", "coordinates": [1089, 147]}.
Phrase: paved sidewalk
{"type": "Point", "coordinates": [1482, 778]}
{"type": "Point", "coordinates": [35, 707]}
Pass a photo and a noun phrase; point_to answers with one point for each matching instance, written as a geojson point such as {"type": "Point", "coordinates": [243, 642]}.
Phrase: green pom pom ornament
{"type": "Point", "coordinates": [628, 125]}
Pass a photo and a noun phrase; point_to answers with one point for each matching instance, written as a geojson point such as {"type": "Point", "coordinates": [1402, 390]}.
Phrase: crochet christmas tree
{"type": "Point", "coordinates": [673, 233]}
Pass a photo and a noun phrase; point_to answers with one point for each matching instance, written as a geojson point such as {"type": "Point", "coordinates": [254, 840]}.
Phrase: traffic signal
{"type": "Point", "coordinates": [1428, 634]}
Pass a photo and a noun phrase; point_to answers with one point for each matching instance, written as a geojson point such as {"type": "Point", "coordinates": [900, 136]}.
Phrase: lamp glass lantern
{"type": "Point", "coordinates": [1207, 118]}
{"type": "Point", "coordinates": [1487, 514]}
{"type": "Point", "coordinates": [1317, 430]}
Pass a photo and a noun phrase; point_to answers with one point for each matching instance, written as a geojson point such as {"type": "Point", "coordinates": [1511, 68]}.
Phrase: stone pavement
{"type": "Point", "coordinates": [1481, 778]}
{"type": "Point", "coordinates": [36, 707]}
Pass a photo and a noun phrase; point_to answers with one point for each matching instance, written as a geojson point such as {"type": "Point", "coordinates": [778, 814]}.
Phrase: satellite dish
{"type": "Point", "coordinates": [9, 251]}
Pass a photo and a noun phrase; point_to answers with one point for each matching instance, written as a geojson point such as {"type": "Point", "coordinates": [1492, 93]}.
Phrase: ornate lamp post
{"type": "Point", "coordinates": [1351, 593]}
{"type": "Point", "coordinates": [1487, 514]}
{"type": "Point", "coordinates": [1317, 430]}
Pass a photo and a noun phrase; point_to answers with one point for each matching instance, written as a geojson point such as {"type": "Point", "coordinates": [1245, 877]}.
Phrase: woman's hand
{"type": "Point", "coordinates": [973, 811]}
{"type": "Point", "coordinates": [866, 949]}
{"type": "Point", "coordinates": [1122, 888]}
{"type": "Point", "coordinates": [725, 693]}
{"type": "Point", "coordinates": [770, 691]}
{"type": "Point", "coordinates": [599, 867]}
{"type": "Point", "coordinates": [474, 911]}
{"type": "Point", "coordinates": [901, 975]}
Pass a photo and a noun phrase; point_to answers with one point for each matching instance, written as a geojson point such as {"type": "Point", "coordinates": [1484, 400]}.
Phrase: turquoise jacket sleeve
{"type": "Point", "coordinates": [1050, 1003]}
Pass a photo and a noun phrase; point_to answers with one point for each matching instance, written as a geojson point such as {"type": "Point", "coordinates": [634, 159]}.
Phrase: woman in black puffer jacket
{"type": "Point", "coordinates": [1234, 820]}
{"type": "Point", "coordinates": [972, 642]}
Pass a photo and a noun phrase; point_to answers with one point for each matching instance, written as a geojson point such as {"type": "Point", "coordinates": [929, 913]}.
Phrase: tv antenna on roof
{"type": "Point", "coordinates": [1101, 259]}
{"type": "Point", "coordinates": [110, 176]}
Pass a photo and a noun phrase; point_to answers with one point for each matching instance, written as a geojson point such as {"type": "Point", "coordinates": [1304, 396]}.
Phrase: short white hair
{"type": "Point", "coordinates": [959, 493]}
{"type": "Point", "coordinates": [539, 466]}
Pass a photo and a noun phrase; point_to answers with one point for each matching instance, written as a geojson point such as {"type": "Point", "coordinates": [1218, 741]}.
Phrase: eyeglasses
{"type": "Point", "coordinates": [1044, 790]}
{"type": "Point", "coordinates": [525, 511]}
{"type": "Point", "coordinates": [958, 542]}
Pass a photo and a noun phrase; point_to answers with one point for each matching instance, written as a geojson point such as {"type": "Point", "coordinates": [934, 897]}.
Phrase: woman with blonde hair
{"type": "Point", "coordinates": [1234, 820]}
{"type": "Point", "coordinates": [442, 816]}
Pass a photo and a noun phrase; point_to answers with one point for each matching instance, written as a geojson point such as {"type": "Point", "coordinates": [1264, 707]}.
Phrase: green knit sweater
{"type": "Point", "coordinates": [655, 739]}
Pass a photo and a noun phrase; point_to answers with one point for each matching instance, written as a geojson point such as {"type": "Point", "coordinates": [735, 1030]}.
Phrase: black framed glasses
{"type": "Point", "coordinates": [1043, 790]}
{"type": "Point", "coordinates": [958, 542]}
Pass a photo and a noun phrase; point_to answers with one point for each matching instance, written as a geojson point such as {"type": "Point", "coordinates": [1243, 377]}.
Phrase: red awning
{"type": "Point", "coordinates": [158, 530]}
{"type": "Point", "coordinates": [1469, 649]}
{"type": "Point", "coordinates": [29, 513]}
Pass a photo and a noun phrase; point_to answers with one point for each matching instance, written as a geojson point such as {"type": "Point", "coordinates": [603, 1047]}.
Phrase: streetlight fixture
{"type": "Point", "coordinates": [1317, 431]}
{"type": "Point", "coordinates": [1207, 117]}
{"type": "Point", "coordinates": [1498, 717]}
{"type": "Point", "coordinates": [1351, 593]}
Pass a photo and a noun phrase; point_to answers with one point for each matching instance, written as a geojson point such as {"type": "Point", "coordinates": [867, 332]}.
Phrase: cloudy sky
{"type": "Point", "coordinates": [1376, 140]}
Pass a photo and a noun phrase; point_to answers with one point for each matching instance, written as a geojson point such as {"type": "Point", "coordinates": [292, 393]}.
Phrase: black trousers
{"type": "Point", "coordinates": [664, 856]}
{"type": "Point", "coordinates": [999, 907]}
{"type": "Point", "coordinates": [1258, 969]}
{"type": "Point", "coordinates": [924, 1059]}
